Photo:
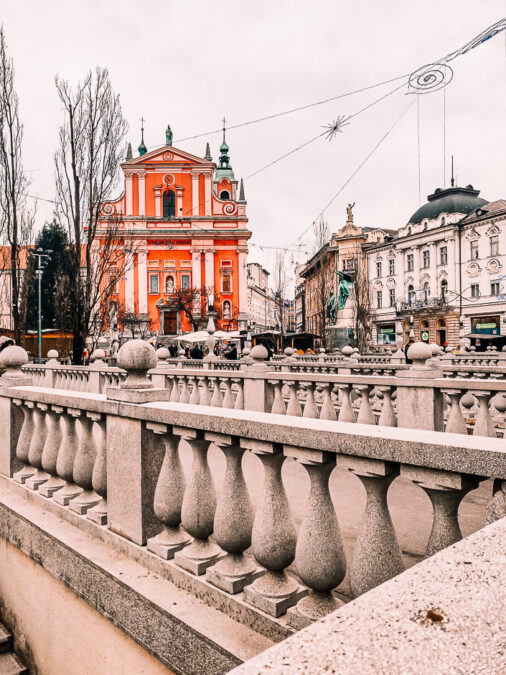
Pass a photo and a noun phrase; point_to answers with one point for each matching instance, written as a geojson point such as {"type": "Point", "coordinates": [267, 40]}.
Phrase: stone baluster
{"type": "Point", "coordinates": [195, 393]}
{"type": "Point", "coordinates": [278, 403]}
{"type": "Point", "coordinates": [377, 556]}
{"type": "Point", "coordinates": [66, 457]}
{"type": "Point", "coordinates": [446, 490]}
{"type": "Point", "coordinates": [239, 397]}
{"type": "Point", "coordinates": [217, 398]}
{"type": "Point", "coordinates": [198, 508]}
{"type": "Point", "coordinates": [174, 393]}
{"type": "Point", "coordinates": [205, 394]}
{"type": "Point", "coordinates": [310, 407]}
{"type": "Point", "coordinates": [483, 425]}
{"type": "Point", "coordinates": [84, 463]}
{"type": "Point", "coordinates": [327, 411]}
{"type": "Point", "coordinates": [185, 392]}
{"type": "Point", "coordinates": [387, 416]}
{"type": "Point", "coordinates": [24, 440]}
{"type": "Point", "coordinates": [37, 447]}
{"type": "Point", "coordinates": [228, 398]}
{"type": "Point", "coordinates": [293, 407]}
{"type": "Point", "coordinates": [168, 498]}
{"type": "Point", "coordinates": [319, 557]}
{"type": "Point", "coordinates": [50, 452]}
{"type": "Point", "coordinates": [233, 522]}
{"type": "Point", "coordinates": [346, 412]}
{"type": "Point", "coordinates": [365, 413]}
{"type": "Point", "coordinates": [98, 513]}
{"type": "Point", "coordinates": [456, 423]}
{"type": "Point", "coordinates": [273, 537]}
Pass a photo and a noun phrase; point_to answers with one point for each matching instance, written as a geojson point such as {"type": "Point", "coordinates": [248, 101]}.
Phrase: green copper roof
{"type": "Point", "coordinates": [451, 200]}
{"type": "Point", "coordinates": [224, 170]}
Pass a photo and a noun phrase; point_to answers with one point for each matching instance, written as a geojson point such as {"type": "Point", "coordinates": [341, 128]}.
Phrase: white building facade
{"type": "Point", "coordinates": [443, 275]}
{"type": "Point", "coordinates": [261, 309]}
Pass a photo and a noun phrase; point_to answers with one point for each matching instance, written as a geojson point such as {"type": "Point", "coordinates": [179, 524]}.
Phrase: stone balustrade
{"type": "Point", "coordinates": [116, 459]}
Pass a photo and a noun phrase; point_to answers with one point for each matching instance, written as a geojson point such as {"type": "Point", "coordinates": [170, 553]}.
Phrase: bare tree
{"type": "Point", "coordinates": [16, 219]}
{"type": "Point", "coordinates": [87, 167]}
{"type": "Point", "coordinates": [323, 280]}
{"type": "Point", "coordinates": [280, 292]}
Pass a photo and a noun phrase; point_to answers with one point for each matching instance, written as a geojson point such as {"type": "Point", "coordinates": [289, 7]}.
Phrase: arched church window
{"type": "Point", "coordinates": [227, 310]}
{"type": "Point", "coordinates": [169, 285]}
{"type": "Point", "coordinates": [169, 204]}
{"type": "Point", "coordinates": [224, 194]}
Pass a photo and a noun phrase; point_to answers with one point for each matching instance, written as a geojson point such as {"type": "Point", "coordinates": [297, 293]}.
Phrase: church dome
{"type": "Point", "coordinates": [452, 200]}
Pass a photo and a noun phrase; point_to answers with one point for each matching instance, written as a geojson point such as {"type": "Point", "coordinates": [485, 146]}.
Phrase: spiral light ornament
{"type": "Point", "coordinates": [430, 78]}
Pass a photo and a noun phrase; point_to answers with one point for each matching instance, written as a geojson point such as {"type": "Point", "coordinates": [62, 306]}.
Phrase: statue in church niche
{"type": "Point", "coordinates": [349, 211]}
{"type": "Point", "coordinates": [332, 308]}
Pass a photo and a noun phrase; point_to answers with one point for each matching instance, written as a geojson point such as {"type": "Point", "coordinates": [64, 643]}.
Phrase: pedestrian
{"type": "Point", "coordinates": [408, 345]}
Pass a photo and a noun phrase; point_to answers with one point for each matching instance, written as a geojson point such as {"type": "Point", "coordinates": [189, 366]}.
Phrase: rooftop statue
{"type": "Point", "coordinates": [349, 211]}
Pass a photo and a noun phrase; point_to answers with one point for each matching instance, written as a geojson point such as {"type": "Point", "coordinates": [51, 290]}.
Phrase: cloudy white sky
{"type": "Point", "coordinates": [191, 62]}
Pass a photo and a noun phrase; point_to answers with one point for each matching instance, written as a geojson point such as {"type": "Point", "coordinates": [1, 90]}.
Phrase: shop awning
{"type": "Point", "coordinates": [484, 336]}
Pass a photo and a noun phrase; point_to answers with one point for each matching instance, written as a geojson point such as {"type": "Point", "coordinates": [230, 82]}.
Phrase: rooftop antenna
{"type": "Point", "coordinates": [453, 181]}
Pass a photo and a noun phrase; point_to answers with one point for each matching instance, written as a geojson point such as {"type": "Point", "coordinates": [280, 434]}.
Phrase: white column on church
{"type": "Point", "coordinates": [195, 194]}
{"type": "Point", "coordinates": [207, 195]}
{"type": "Point", "coordinates": [242, 254]}
{"type": "Point", "coordinates": [416, 270]}
{"type": "Point", "coordinates": [142, 271]}
{"type": "Point", "coordinates": [128, 194]}
{"type": "Point", "coordinates": [179, 204]}
{"type": "Point", "coordinates": [209, 273]}
{"type": "Point", "coordinates": [142, 193]}
{"type": "Point", "coordinates": [129, 290]}
{"type": "Point", "coordinates": [196, 282]}
{"type": "Point", "coordinates": [158, 205]}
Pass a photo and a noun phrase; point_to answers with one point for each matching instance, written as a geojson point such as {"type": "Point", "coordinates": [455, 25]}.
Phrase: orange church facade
{"type": "Point", "coordinates": [186, 219]}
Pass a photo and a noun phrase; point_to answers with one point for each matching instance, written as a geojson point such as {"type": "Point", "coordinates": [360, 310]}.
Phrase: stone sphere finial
{"type": "Point", "coordinates": [52, 357]}
{"type": "Point", "coordinates": [97, 358]}
{"type": "Point", "coordinates": [13, 358]}
{"type": "Point", "coordinates": [246, 351]}
{"type": "Point", "coordinates": [419, 352]}
{"type": "Point", "coordinates": [288, 351]}
{"type": "Point", "coordinates": [436, 349]}
{"type": "Point", "coordinates": [136, 357]}
{"type": "Point", "coordinates": [259, 353]}
{"type": "Point", "coordinates": [347, 351]}
{"type": "Point", "coordinates": [162, 354]}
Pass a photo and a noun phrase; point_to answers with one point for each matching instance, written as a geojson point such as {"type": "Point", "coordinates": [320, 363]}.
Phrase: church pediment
{"type": "Point", "coordinates": [167, 155]}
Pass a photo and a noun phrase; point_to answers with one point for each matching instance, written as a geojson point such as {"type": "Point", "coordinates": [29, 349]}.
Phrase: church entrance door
{"type": "Point", "coordinates": [169, 323]}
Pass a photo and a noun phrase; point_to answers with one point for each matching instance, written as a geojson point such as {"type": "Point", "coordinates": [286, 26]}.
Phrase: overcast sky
{"type": "Point", "coordinates": [189, 63]}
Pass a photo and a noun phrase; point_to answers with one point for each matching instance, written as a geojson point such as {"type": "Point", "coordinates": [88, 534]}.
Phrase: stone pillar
{"type": "Point", "coordinates": [195, 194]}
{"type": "Point", "coordinates": [433, 292]}
{"type": "Point", "coordinates": [158, 202]}
{"type": "Point", "coordinates": [209, 273]}
{"type": "Point", "coordinates": [134, 454]}
{"type": "Point", "coordinates": [141, 179]}
{"type": "Point", "coordinates": [128, 193]}
{"type": "Point", "coordinates": [142, 271]}
{"type": "Point", "coordinates": [453, 257]}
{"type": "Point", "coordinates": [179, 203]}
{"type": "Point", "coordinates": [207, 197]}
{"type": "Point", "coordinates": [419, 407]}
{"type": "Point", "coordinates": [129, 290]}
{"type": "Point", "coordinates": [257, 392]}
{"type": "Point", "coordinates": [417, 267]}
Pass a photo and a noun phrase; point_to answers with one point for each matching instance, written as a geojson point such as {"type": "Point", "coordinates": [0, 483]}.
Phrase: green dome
{"type": "Point", "coordinates": [451, 200]}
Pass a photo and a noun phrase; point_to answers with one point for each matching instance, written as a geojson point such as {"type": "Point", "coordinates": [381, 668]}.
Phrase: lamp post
{"type": "Point", "coordinates": [42, 257]}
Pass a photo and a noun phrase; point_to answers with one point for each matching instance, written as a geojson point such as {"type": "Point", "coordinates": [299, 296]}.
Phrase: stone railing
{"type": "Point", "coordinates": [138, 465]}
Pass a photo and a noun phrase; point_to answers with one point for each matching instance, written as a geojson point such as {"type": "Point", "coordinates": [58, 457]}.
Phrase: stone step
{"type": "Point", "coordinates": [5, 640]}
{"type": "Point", "coordinates": [11, 665]}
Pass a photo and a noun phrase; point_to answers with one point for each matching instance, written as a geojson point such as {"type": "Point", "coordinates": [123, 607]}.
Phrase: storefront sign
{"type": "Point", "coordinates": [488, 325]}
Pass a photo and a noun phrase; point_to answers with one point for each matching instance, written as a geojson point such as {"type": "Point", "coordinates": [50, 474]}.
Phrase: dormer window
{"type": "Point", "coordinates": [224, 194]}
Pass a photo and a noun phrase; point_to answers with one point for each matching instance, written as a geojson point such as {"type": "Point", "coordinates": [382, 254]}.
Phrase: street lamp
{"type": "Point", "coordinates": [42, 257]}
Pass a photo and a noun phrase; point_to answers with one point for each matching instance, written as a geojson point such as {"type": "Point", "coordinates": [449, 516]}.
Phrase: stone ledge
{"type": "Point", "coordinates": [182, 632]}
{"type": "Point", "coordinates": [198, 587]}
{"type": "Point", "coordinates": [445, 615]}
